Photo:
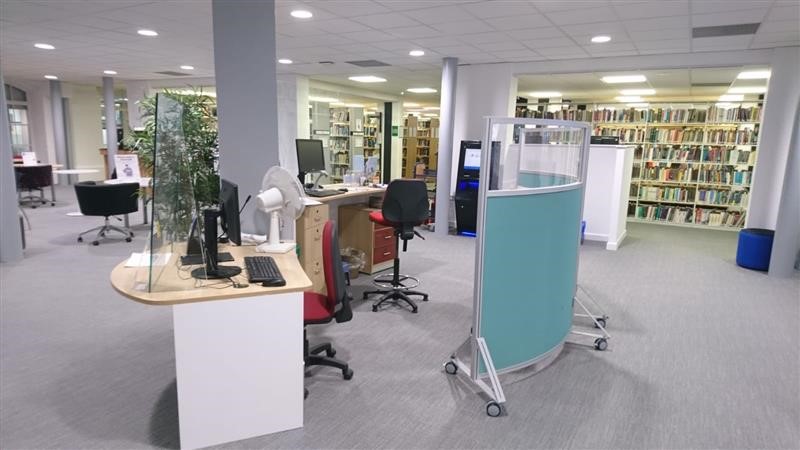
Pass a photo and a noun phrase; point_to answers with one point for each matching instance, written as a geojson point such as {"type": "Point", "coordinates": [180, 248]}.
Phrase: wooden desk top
{"type": "Point", "coordinates": [352, 192]}
{"type": "Point", "coordinates": [175, 285]}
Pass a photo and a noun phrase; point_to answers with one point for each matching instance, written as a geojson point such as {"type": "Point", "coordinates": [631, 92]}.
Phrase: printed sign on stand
{"type": "Point", "coordinates": [29, 159]}
{"type": "Point", "coordinates": [127, 167]}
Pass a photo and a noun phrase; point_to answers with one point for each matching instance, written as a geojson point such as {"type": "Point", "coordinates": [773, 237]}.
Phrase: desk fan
{"type": "Point", "coordinates": [281, 197]}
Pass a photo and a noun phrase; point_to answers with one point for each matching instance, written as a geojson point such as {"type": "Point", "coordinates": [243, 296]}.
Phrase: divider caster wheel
{"type": "Point", "coordinates": [95, 243]}
{"type": "Point", "coordinates": [330, 353]}
{"type": "Point", "coordinates": [131, 233]}
{"type": "Point", "coordinates": [425, 298]}
{"type": "Point", "coordinates": [600, 344]}
{"type": "Point", "coordinates": [450, 367]}
{"type": "Point", "coordinates": [127, 239]}
{"type": "Point", "coordinates": [493, 409]}
{"type": "Point", "coordinates": [600, 321]}
{"type": "Point", "coordinates": [80, 239]}
{"type": "Point", "coordinates": [347, 374]}
{"type": "Point", "coordinates": [414, 310]}
{"type": "Point", "coordinates": [365, 296]}
{"type": "Point", "coordinates": [374, 308]}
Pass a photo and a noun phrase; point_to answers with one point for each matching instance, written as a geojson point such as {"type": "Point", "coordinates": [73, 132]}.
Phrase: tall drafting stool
{"type": "Point", "coordinates": [335, 305]}
{"type": "Point", "coordinates": [405, 205]}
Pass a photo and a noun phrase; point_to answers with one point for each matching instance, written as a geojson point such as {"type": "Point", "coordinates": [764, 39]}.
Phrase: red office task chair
{"type": "Point", "coordinates": [405, 205]}
{"type": "Point", "coordinates": [319, 308]}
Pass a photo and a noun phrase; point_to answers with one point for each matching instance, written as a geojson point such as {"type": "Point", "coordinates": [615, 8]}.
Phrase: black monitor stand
{"type": "Point", "coordinates": [194, 251]}
{"type": "Point", "coordinates": [213, 270]}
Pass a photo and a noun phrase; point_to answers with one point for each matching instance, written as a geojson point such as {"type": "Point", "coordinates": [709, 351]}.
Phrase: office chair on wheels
{"type": "Point", "coordinates": [405, 205]}
{"type": "Point", "coordinates": [335, 305]}
{"type": "Point", "coordinates": [107, 200]}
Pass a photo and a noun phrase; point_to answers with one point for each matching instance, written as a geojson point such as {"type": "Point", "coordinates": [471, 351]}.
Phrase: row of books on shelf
{"type": "Point", "coordinates": [695, 153]}
{"type": "Point", "coordinates": [710, 114]}
{"type": "Point", "coordinates": [340, 158]}
{"type": "Point", "coordinates": [686, 215]}
{"type": "Point", "coordinates": [690, 174]}
{"type": "Point", "coordinates": [340, 115]}
{"type": "Point", "coordinates": [340, 130]}
{"type": "Point", "coordinates": [721, 197]}
{"type": "Point", "coordinates": [339, 144]}
{"type": "Point", "coordinates": [745, 136]}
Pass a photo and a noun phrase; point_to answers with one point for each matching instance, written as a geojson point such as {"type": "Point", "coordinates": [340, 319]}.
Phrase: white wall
{"type": "Point", "coordinates": [84, 130]}
{"type": "Point", "coordinates": [774, 138]}
{"type": "Point", "coordinates": [293, 120]}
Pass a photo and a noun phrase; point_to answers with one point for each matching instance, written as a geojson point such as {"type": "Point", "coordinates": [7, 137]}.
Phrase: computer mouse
{"type": "Point", "coordinates": [342, 189]}
{"type": "Point", "coordinates": [274, 283]}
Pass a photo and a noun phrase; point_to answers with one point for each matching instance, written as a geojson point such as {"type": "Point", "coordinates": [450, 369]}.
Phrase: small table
{"type": "Point", "coordinates": [70, 172]}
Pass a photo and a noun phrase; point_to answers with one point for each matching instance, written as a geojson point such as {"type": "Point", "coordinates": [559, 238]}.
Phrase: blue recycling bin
{"type": "Point", "coordinates": [755, 248]}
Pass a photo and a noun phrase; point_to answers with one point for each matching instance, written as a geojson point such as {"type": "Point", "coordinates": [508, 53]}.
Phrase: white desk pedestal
{"type": "Point", "coordinates": [239, 366]}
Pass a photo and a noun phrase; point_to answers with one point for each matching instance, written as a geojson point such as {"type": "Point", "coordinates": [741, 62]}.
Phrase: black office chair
{"type": "Point", "coordinates": [323, 308]}
{"type": "Point", "coordinates": [405, 205]}
{"type": "Point", "coordinates": [98, 199]}
{"type": "Point", "coordinates": [34, 178]}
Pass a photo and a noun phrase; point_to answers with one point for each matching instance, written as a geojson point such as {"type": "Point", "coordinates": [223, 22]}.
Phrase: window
{"type": "Point", "coordinates": [18, 119]}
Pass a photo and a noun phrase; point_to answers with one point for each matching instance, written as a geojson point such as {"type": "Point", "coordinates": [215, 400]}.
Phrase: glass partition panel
{"type": "Point", "coordinates": [173, 201]}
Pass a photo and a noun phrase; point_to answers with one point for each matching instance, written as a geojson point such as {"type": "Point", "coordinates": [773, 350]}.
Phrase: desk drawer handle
{"type": "Point", "coordinates": [387, 253]}
{"type": "Point", "coordinates": [387, 237]}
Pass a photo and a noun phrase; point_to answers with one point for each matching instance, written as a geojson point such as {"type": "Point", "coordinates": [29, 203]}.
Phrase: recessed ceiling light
{"type": "Point", "coordinates": [613, 79]}
{"type": "Point", "coordinates": [285, 61]}
{"type": "Point", "coordinates": [44, 46]}
{"type": "Point", "coordinates": [754, 75]}
{"type": "Point", "coordinates": [601, 39]}
{"type": "Point", "coordinates": [431, 108]}
{"type": "Point", "coordinates": [367, 79]}
{"type": "Point", "coordinates": [638, 92]}
{"type": "Point", "coordinates": [410, 104]}
{"type": "Point", "coordinates": [110, 72]}
{"type": "Point", "coordinates": [187, 67]}
{"type": "Point", "coordinates": [354, 105]}
{"type": "Point", "coordinates": [301, 14]}
{"type": "Point", "coordinates": [545, 94]}
{"type": "Point", "coordinates": [724, 105]}
{"type": "Point", "coordinates": [337, 104]}
{"type": "Point", "coordinates": [748, 90]}
{"type": "Point", "coordinates": [637, 105]}
{"type": "Point", "coordinates": [422, 90]}
{"type": "Point", "coordinates": [51, 77]}
{"type": "Point", "coordinates": [323, 99]}
{"type": "Point", "coordinates": [416, 52]}
{"type": "Point", "coordinates": [731, 97]}
{"type": "Point", "coordinates": [629, 98]}
{"type": "Point", "coordinates": [145, 32]}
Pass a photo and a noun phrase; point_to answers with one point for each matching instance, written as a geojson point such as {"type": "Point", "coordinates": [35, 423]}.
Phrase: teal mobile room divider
{"type": "Point", "coordinates": [528, 232]}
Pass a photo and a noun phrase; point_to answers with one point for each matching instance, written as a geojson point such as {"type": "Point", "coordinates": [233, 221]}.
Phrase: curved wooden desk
{"type": "Point", "coordinates": [238, 351]}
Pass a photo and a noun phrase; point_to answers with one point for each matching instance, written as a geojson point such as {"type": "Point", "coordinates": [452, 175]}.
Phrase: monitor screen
{"type": "Point", "coordinates": [229, 211]}
{"type": "Point", "coordinates": [472, 158]}
{"type": "Point", "coordinates": [310, 156]}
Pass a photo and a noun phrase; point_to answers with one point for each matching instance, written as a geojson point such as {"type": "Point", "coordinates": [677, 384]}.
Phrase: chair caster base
{"type": "Point", "coordinates": [347, 374]}
{"type": "Point", "coordinates": [95, 242]}
{"type": "Point", "coordinates": [80, 239]}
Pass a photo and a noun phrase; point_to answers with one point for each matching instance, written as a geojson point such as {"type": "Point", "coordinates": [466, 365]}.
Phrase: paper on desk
{"type": "Point", "coordinates": [310, 201]}
{"type": "Point", "coordinates": [143, 259]}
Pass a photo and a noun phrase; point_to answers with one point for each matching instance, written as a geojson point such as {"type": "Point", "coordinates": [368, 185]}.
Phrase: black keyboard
{"type": "Point", "coordinates": [262, 269]}
{"type": "Point", "coordinates": [322, 192]}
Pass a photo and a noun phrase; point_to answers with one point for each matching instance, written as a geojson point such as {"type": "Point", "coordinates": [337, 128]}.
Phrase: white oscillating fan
{"type": "Point", "coordinates": [281, 197]}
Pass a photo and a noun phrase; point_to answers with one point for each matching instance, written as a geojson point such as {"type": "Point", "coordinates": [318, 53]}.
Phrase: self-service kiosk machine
{"type": "Point", "coordinates": [467, 182]}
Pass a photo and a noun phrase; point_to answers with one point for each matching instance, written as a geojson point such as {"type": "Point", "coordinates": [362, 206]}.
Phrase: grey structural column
{"type": "Point", "coordinates": [246, 96]}
{"type": "Point", "coordinates": [59, 133]}
{"type": "Point", "coordinates": [786, 246]}
{"type": "Point", "coordinates": [10, 232]}
{"type": "Point", "coordinates": [445, 160]}
{"type": "Point", "coordinates": [111, 122]}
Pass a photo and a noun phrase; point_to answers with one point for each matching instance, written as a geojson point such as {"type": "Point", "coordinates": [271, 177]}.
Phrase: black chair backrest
{"type": "Point", "coordinates": [406, 204]}
{"type": "Point", "coordinates": [34, 177]}
{"type": "Point", "coordinates": [99, 199]}
{"type": "Point", "coordinates": [338, 298]}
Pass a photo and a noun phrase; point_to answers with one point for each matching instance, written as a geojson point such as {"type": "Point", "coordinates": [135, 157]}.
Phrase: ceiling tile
{"type": "Point", "coordinates": [647, 9]}
{"type": "Point", "coordinates": [498, 8]}
{"type": "Point", "coordinates": [572, 51]}
{"type": "Point", "coordinates": [457, 50]}
{"type": "Point", "coordinates": [354, 8]}
{"type": "Point", "coordinates": [684, 44]}
{"type": "Point", "coordinates": [339, 26]}
{"type": "Point", "coordinates": [782, 37]}
{"type": "Point", "coordinates": [518, 22]}
{"type": "Point", "coordinates": [549, 43]}
{"type": "Point", "coordinates": [535, 33]}
{"type": "Point", "coordinates": [420, 31]}
{"type": "Point", "coordinates": [465, 27]}
{"type": "Point", "coordinates": [385, 21]}
{"type": "Point", "coordinates": [614, 29]}
{"type": "Point", "coordinates": [439, 15]}
{"type": "Point", "coordinates": [483, 38]}
{"type": "Point", "coordinates": [368, 36]}
{"type": "Point", "coordinates": [660, 23]}
{"type": "Point", "coordinates": [728, 17]}
{"type": "Point", "coordinates": [657, 35]}
{"type": "Point", "coordinates": [791, 11]}
{"type": "Point", "coordinates": [715, 6]}
{"type": "Point", "coordinates": [560, 5]}
{"type": "Point", "coordinates": [722, 43]}
{"type": "Point", "coordinates": [586, 15]}
{"type": "Point", "coordinates": [501, 46]}
{"type": "Point", "coordinates": [778, 26]}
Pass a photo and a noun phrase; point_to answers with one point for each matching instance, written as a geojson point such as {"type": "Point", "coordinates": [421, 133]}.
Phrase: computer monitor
{"type": "Point", "coordinates": [229, 211]}
{"type": "Point", "coordinates": [310, 156]}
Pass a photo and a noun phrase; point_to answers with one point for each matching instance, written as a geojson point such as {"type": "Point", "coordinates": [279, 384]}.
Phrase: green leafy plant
{"type": "Point", "coordinates": [179, 146]}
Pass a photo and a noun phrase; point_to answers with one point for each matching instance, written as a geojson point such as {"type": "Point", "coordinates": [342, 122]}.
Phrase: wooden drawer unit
{"type": "Point", "coordinates": [309, 237]}
{"type": "Point", "coordinates": [376, 241]}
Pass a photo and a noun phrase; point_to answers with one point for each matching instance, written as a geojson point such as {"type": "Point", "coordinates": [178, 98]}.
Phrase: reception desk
{"type": "Point", "coordinates": [238, 351]}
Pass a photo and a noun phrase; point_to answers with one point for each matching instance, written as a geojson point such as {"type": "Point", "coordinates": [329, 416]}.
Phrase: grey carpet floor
{"type": "Point", "coordinates": [704, 355]}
